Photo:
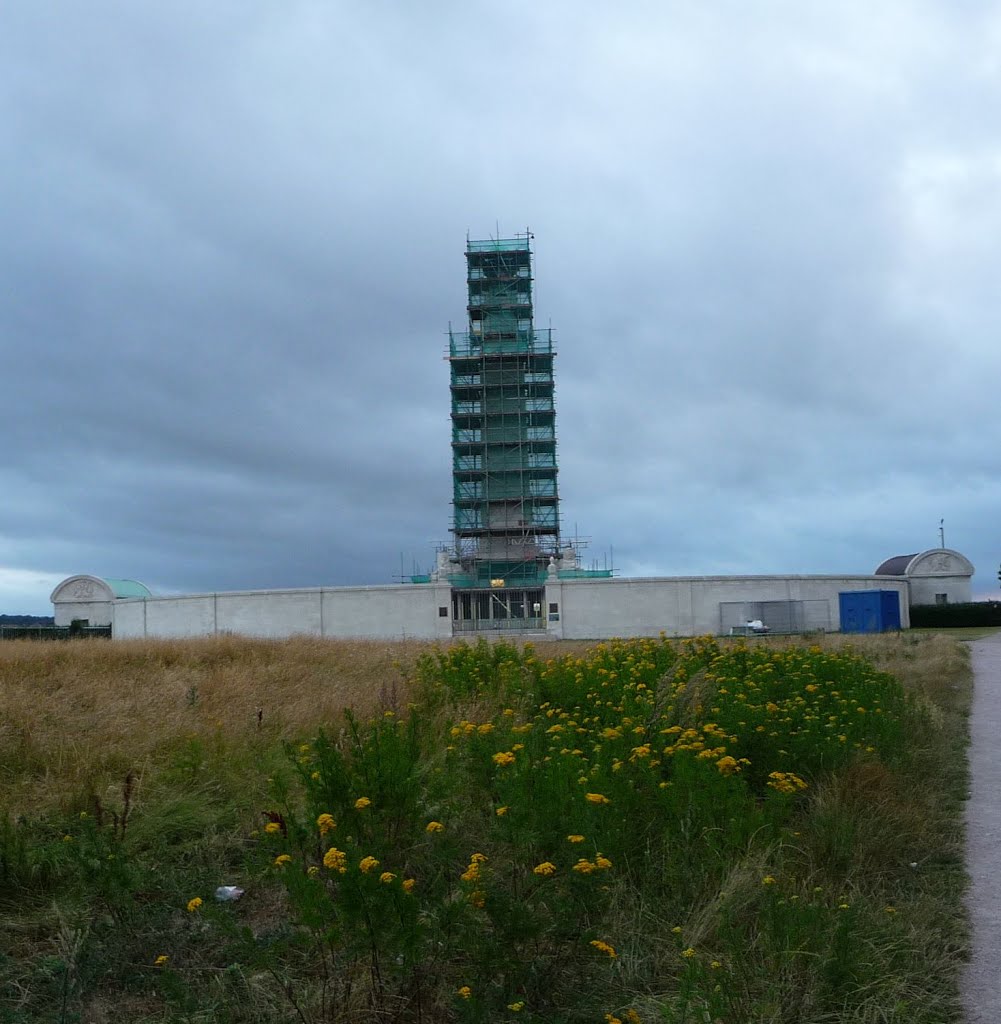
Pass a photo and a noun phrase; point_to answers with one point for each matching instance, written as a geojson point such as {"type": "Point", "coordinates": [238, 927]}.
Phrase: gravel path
{"type": "Point", "coordinates": [981, 983]}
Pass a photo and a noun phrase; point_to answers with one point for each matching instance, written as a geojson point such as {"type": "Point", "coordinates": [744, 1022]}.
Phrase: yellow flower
{"type": "Point", "coordinates": [325, 822]}
{"type": "Point", "coordinates": [612, 1019]}
{"type": "Point", "coordinates": [575, 839]}
{"type": "Point", "coordinates": [194, 904]}
{"type": "Point", "coordinates": [890, 910]}
{"type": "Point", "coordinates": [516, 1007]}
{"type": "Point", "coordinates": [501, 811]}
{"type": "Point", "coordinates": [485, 729]}
{"type": "Point", "coordinates": [602, 863]}
{"type": "Point", "coordinates": [386, 877]}
{"type": "Point", "coordinates": [843, 906]}
{"type": "Point", "coordinates": [478, 858]}
{"type": "Point", "coordinates": [727, 766]}
{"type": "Point", "coordinates": [67, 839]}
{"type": "Point", "coordinates": [362, 802]}
{"type": "Point", "coordinates": [367, 864]}
{"type": "Point", "coordinates": [335, 860]}
{"type": "Point", "coordinates": [471, 874]}
{"type": "Point", "coordinates": [315, 776]}
{"type": "Point", "coordinates": [272, 827]}
{"type": "Point", "coordinates": [676, 929]}
{"type": "Point", "coordinates": [546, 868]}
{"type": "Point", "coordinates": [161, 960]}
{"type": "Point", "coordinates": [786, 782]}
{"type": "Point", "coordinates": [604, 947]}
{"type": "Point", "coordinates": [688, 953]}
{"type": "Point", "coordinates": [312, 871]}
{"type": "Point", "coordinates": [715, 965]}
{"type": "Point", "coordinates": [583, 867]}
{"type": "Point", "coordinates": [282, 859]}
{"type": "Point", "coordinates": [478, 898]}
{"type": "Point", "coordinates": [768, 880]}
{"type": "Point", "coordinates": [434, 826]}
{"type": "Point", "coordinates": [633, 1017]}
{"type": "Point", "coordinates": [465, 992]}
{"type": "Point", "coordinates": [408, 884]}
{"type": "Point", "coordinates": [503, 758]}
{"type": "Point", "coordinates": [596, 798]}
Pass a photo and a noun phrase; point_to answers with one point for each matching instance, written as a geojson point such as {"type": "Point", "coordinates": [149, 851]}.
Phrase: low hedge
{"type": "Point", "coordinates": [946, 616]}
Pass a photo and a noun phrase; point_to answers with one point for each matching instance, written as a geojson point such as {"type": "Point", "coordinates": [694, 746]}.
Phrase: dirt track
{"type": "Point", "coordinates": [981, 984]}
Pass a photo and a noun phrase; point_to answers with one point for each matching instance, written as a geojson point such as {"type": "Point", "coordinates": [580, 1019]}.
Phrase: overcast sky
{"type": "Point", "coordinates": [768, 237]}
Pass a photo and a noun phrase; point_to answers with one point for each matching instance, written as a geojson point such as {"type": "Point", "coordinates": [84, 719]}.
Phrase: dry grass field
{"type": "Point", "coordinates": [188, 740]}
{"type": "Point", "coordinates": [80, 715]}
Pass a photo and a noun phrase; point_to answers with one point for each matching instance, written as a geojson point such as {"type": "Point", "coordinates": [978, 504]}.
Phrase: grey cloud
{"type": "Point", "coordinates": [233, 244]}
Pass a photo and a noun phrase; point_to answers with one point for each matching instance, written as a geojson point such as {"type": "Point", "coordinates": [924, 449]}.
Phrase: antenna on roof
{"type": "Point", "coordinates": [941, 533]}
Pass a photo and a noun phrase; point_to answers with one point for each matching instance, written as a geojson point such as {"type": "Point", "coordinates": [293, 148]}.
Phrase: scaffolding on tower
{"type": "Point", "coordinates": [506, 522]}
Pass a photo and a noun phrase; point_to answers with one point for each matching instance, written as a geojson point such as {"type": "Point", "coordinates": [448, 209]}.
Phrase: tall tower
{"type": "Point", "coordinates": [506, 504]}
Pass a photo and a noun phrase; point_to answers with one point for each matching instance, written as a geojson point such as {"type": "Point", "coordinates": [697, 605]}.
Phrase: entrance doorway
{"type": "Point", "coordinates": [497, 609]}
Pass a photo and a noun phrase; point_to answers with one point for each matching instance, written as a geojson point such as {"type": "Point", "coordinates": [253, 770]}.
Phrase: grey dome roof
{"type": "Point", "coordinates": [895, 566]}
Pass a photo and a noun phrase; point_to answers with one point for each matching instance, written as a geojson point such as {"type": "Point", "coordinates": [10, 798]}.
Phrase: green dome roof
{"type": "Point", "coordinates": [127, 588]}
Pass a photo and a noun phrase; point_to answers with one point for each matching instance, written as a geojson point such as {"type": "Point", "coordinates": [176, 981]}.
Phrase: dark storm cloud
{"type": "Point", "coordinates": [233, 242]}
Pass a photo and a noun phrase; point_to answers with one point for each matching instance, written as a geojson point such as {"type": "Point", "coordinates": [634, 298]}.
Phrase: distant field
{"type": "Point", "coordinates": [662, 831]}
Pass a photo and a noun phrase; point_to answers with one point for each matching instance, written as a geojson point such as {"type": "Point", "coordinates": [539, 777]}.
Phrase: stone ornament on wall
{"type": "Point", "coordinates": [82, 590]}
{"type": "Point", "coordinates": [940, 563]}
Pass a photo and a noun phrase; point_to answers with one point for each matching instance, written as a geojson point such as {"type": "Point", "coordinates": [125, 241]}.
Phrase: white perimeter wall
{"type": "Point", "coordinates": [377, 612]}
{"type": "Point", "coordinates": [689, 606]}
{"type": "Point", "coordinates": [588, 609]}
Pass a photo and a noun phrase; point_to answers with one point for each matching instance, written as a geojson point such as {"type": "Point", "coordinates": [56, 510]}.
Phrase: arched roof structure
{"type": "Point", "coordinates": [933, 562]}
{"type": "Point", "coordinates": [84, 587]}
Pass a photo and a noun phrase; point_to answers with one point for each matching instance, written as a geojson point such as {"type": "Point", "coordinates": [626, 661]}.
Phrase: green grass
{"type": "Point", "coordinates": [752, 846]}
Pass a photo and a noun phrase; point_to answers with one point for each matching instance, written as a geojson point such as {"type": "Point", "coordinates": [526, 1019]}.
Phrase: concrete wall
{"type": "Point", "coordinates": [587, 609]}
{"type": "Point", "coordinates": [97, 613]}
{"type": "Point", "coordinates": [956, 588]}
{"type": "Point", "coordinates": [387, 612]}
{"type": "Point", "coordinates": [690, 606]}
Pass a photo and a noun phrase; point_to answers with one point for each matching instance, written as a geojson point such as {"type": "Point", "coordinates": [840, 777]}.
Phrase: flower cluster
{"type": "Point", "coordinates": [472, 872]}
{"type": "Point", "coordinates": [335, 860]}
{"type": "Point", "coordinates": [785, 782]}
{"type": "Point", "coordinates": [587, 867]}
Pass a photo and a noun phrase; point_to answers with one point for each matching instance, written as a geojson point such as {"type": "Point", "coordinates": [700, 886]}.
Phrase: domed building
{"type": "Point", "coordinates": [936, 576]}
{"type": "Point", "coordinates": [89, 599]}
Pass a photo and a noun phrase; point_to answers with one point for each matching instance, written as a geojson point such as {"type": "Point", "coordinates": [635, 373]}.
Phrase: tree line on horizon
{"type": "Point", "coordinates": [27, 620]}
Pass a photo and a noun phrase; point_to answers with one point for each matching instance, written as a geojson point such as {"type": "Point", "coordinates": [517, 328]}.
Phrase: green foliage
{"type": "Point", "coordinates": [544, 809]}
{"type": "Point", "coordinates": [656, 831]}
{"type": "Point", "coordinates": [954, 616]}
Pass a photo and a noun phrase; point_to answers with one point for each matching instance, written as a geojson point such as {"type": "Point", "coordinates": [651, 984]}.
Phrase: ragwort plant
{"type": "Point", "coordinates": [611, 835]}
